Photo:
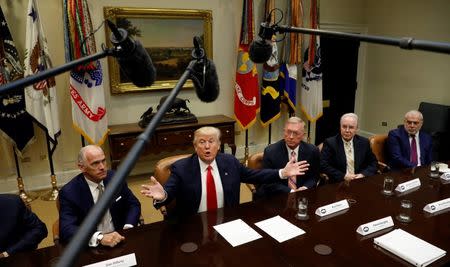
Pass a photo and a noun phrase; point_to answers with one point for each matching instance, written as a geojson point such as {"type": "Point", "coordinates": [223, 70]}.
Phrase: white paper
{"type": "Point", "coordinates": [332, 208]}
{"type": "Point", "coordinates": [375, 226]}
{"type": "Point", "coordinates": [237, 232]}
{"type": "Point", "coordinates": [409, 247]}
{"type": "Point", "coordinates": [122, 261]}
{"type": "Point", "coordinates": [437, 206]}
{"type": "Point", "coordinates": [408, 185]}
{"type": "Point", "coordinates": [279, 228]}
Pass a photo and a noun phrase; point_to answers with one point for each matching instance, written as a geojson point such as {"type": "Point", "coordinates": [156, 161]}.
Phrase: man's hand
{"type": "Point", "coordinates": [154, 190]}
{"type": "Point", "coordinates": [349, 177]}
{"type": "Point", "coordinates": [301, 188]}
{"type": "Point", "coordinates": [295, 168]}
{"type": "Point", "coordinates": [111, 239]}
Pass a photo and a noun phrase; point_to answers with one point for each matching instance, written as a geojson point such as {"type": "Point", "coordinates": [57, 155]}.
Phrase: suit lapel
{"type": "Point", "coordinates": [223, 171]}
{"type": "Point", "coordinates": [341, 152]}
{"type": "Point", "coordinates": [357, 153]}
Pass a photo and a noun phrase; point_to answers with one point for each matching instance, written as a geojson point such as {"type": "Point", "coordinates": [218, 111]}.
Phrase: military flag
{"type": "Point", "coordinates": [15, 123]}
{"type": "Point", "coordinates": [246, 95]}
{"type": "Point", "coordinates": [311, 91]}
{"type": "Point", "coordinates": [40, 98]}
{"type": "Point", "coordinates": [86, 82]}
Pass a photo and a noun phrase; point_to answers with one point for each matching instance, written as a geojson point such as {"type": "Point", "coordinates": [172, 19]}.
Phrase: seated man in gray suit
{"type": "Point", "coordinates": [347, 156]}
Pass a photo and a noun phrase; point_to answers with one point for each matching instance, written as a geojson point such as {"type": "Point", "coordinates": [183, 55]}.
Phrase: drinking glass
{"type": "Point", "coordinates": [434, 169]}
{"type": "Point", "coordinates": [388, 185]}
{"type": "Point", "coordinates": [302, 209]}
{"type": "Point", "coordinates": [405, 211]}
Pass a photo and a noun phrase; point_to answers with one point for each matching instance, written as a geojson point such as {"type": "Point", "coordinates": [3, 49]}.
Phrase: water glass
{"type": "Point", "coordinates": [434, 169]}
{"type": "Point", "coordinates": [302, 209]}
{"type": "Point", "coordinates": [405, 211]}
{"type": "Point", "coordinates": [388, 185]}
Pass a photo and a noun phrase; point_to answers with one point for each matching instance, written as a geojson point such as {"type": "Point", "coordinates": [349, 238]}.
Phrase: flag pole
{"type": "Point", "coordinates": [270, 134]}
{"type": "Point", "coordinates": [51, 195]}
{"type": "Point", "coordinates": [246, 154]}
{"type": "Point", "coordinates": [26, 197]}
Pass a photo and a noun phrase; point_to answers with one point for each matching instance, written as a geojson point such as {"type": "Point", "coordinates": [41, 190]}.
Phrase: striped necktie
{"type": "Point", "coordinates": [292, 181]}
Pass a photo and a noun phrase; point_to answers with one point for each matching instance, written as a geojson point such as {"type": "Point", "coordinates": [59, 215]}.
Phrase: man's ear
{"type": "Point", "coordinates": [81, 167]}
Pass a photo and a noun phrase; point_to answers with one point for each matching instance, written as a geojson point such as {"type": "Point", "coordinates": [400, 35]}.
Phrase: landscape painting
{"type": "Point", "coordinates": [167, 35]}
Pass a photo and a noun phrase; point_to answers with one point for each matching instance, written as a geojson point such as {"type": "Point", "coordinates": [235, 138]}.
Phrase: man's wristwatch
{"type": "Point", "coordinates": [99, 238]}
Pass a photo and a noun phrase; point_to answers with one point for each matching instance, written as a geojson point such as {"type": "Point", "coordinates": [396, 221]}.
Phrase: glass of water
{"type": "Point", "coordinates": [434, 169]}
{"type": "Point", "coordinates": [405, 211]}
{"type": "Point", "coordinates": [302, 213]}
{"type": "Point", "coordinates": [388, 186]}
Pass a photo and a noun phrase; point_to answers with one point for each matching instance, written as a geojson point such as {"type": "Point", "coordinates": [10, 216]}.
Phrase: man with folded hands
{"type": "Point", "coordinates": [79, 195]}
{"type": "Point", "coordinates": [347, 156]}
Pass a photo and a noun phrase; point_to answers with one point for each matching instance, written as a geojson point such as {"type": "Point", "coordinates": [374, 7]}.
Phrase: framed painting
{"type": "Point", "coordinates": [167, 35]}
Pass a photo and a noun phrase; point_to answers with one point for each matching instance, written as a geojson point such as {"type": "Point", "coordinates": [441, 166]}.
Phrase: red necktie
{"type": "Point", "coordinates": [211, 196]}
{"type": "Point", "coordinates": [413, 150]}
{"type": "Point", "coordinates": [292, 181]}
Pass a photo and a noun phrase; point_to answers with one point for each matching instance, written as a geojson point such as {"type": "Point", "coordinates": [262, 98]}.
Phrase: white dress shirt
{"type": "Point", "coordinates": [217, 182]}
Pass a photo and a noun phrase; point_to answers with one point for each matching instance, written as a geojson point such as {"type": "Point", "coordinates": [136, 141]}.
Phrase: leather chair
{"type": "Point", "coordinates": [377, 144]}
{"type": "Point", "coordinates": [162, 174]}
{"type": "Point", "coordinates": [323, 178]}
{"type": "Point", "coordinates": [254, 162]}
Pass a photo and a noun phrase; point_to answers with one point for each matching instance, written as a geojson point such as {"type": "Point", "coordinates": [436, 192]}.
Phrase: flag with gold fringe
{"type": "Point", "coordinates": [86, 82]}
{"type": "Point", "coordinates": [292, 55]}
{"type": "Point", "coordinates": [270, 89]}
{"type": "Point", "coordinates": [16, 124]}
{"type": "Point", "coordinates": [246, 95]}
{"type": "Point", "coordinates": [40, 97]}
{"type": "Point", "coordinates": [311, 91]}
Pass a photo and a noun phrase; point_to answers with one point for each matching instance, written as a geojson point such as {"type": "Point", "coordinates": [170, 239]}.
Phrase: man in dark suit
{"type": "Point", "coordinates": [79, 195]}
{"type": "Point", "coordinates": [209, 180]}
{"type": "Point", "coordinates": [278, 154]}
{"type": "Point", "coordinates": [20, 228]}
{"type": "Point", "coordinates": [347, 156]}
{"type": "Point", "coordinates": [407, 146]}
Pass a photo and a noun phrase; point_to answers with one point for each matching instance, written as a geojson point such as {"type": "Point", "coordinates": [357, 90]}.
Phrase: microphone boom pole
{"type": "Point", "coordinates": [29, 80]}
{"type": "Point", "coordinates": [404, 43]}
{"type": "Point", "coordinates": [82, 236]}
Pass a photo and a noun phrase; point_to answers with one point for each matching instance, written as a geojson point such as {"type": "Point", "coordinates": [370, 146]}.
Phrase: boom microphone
{"type": "Point", "coordinates": [204, 75]}
{"type": "Point", "coordinates": [261, 50]}
{"type": "Point", "coordinates": [133, 59]}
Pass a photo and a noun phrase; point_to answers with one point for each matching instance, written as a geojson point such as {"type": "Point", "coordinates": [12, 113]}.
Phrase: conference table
{"type": "Point", "coordinates": [160, 243]}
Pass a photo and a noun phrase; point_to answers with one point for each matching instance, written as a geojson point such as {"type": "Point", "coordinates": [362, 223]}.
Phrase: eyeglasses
{"type": "Point", "coordinates": [412, 122]}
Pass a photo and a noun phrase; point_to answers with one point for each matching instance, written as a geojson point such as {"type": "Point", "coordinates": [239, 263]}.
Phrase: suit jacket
{"type": "Point", "coordinates": [76, 201]}
{"type": "Point", "coordinates": [20, 228]}
{"type": "Point", "coordinates": [399, 148]}
{"type": "Point", "coordinates": [334, 163]}
{"type": "Point", "coordinates": [184, 183]}
{"type": "Point", "coordinates": [276, 156]}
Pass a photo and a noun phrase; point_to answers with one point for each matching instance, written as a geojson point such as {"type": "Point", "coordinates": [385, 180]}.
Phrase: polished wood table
{"type": "Point", "coordinates": [158, 244]}
{"type": "Point", "coordinates": [169, 137]}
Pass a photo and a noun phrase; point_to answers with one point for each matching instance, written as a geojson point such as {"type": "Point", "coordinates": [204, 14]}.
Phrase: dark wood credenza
{"type": "Point", "coordinates": [167, 137]}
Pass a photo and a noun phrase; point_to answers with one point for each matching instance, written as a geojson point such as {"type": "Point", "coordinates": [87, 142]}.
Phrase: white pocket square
{"type": "Point", "coordinates": [117, 199]}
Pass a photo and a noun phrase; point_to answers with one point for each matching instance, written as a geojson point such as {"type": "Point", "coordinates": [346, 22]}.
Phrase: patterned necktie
{"type": "Point", "coordinates": [292, 181]}
{"type": "Point", "coordinates": [211, 196]}
{"type": "Point", "coordinates": [349, 158]}
{"type": "Point", "coordinates": [413, 149]}
{"type": "Point", "coordinates": [105, 224]}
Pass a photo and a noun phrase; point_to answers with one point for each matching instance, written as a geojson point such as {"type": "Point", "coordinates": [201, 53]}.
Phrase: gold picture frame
{"type": "Point", "coordinates": [167, 35]}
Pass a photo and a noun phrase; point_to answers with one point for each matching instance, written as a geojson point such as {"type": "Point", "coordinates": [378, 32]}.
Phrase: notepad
{"type": "Point", "coordinates": [409, 247]}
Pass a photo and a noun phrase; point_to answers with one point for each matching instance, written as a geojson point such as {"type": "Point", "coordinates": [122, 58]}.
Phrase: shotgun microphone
{"type": "Point", "coordinates": [133, 59]}
{"type": "Point", "coordinates": [204, 75]}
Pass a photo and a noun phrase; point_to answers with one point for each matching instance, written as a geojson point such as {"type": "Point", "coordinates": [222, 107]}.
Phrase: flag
{"type": "Point", "coordinates": [16, 124]}
{"type": "Point", "coordinates": [86, 82]}
{"type": "Point", "coordinates": [311, 91]}
{"type": "Point", "coordinates": [40, 98]}
{"type": "Point", "coordinates": [270, 90]}
{"type": "Point", "coordinates": [288, 84]}
{"type": "Point", "coordinates": [246, 95]}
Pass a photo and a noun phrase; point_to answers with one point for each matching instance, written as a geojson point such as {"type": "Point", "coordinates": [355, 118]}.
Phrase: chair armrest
{"type": "Point", "coordinates": [251, 187]}
{"type": "Point", "coordinates": [55, 232]}
{"type": "Point", "coordinates": [383, 167]}
{"type": "Point", "coordinates": [323, 179]}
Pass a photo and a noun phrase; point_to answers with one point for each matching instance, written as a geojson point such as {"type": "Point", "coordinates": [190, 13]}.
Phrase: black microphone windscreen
{"type": "Point", "coordinates": [260, 51]}
{"type": "Point", "coordinates": [209, 91]}
{"type": "Point", "coordinates": [137, 66]}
